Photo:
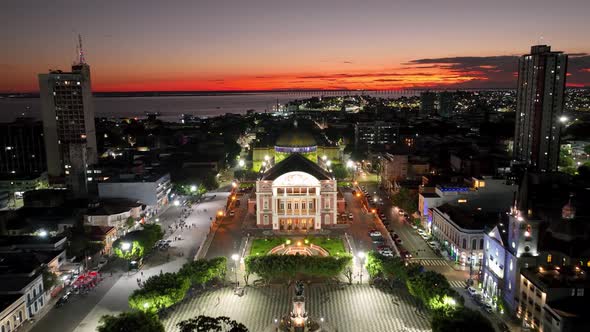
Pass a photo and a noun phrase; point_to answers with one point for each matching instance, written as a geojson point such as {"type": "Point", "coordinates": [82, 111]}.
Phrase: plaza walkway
{"type": "Point", "coordinates": [349, 309]}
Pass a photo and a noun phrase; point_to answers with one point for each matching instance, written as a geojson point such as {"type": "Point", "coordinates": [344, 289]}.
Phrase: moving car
{"type": "Point", "coordinates": [386, 252]}
{"type": "Point", "coordinates": [63, 300]}
{"type": "Point", "coordinates": [374, 233]}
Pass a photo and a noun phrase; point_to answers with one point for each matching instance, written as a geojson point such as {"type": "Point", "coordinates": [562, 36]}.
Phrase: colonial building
{"type": "Point", "coordinates": [296, 194]}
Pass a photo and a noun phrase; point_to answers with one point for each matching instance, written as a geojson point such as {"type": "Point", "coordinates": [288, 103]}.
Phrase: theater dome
{"type": "Point", "coordinates": [295, 139]}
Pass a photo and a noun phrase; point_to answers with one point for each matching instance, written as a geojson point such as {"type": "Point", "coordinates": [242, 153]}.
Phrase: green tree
{"type": "Point", "coordinates": [565, 157]}
{"type": "Point", "coordinates": [142, 241]}
{"type": "Point", "coordinates": [430, 287]}
{"type": "Point", "coordinates": [340, 172]}
{"type": "Point", "coordinates": [49, 279]}
{"type": "Point", "coordinates": [271, 267]}
{"type": "Point", "coordinates": [587, 149]}
{"type": "Point", "coordinates": [159, 292]}
{"type": "Point", "coordinates": [461, 320]}
{"type": "Point", "coordinates": [130, 322]}
{"type": "Point", "coordinates": [202, 271]}
{"type": "Point", "coordinates": [407, 200]}
{"type": "Point", "coordinates": [211, 324]}
{"type": "Point", "coordinates": [130, 222]}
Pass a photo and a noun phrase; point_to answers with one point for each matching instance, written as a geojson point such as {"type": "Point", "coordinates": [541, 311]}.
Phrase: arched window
{"type": "Point", "coordinates": [464, 243]}
{"type": "Point", "coordinates": [481, 244]}
{"type": "Point", "coordinates": [474, 244]}
{"type": "Point", "coordinates": [326, 218]}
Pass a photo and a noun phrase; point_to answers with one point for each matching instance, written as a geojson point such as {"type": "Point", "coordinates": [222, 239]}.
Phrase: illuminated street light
{"type": "Point", "coordinates": [145, 305]}
{"type": "Point", "coordinates": [266, 157]}
{"type": "Point", "coordinates": [193, 188]}
{"type": "Point", "coordinates": [329, 163]}
{"type": "Point", "coordinates": [563, 119]}
{"type": "Point", "coordinates": [220, 213]}
{"type": "Point", "coordinates": [324, 157]}
{"type": "Point", "coordinates": [350, 164]}
{"type": "Point", "coordinates": [241, 163]}
{"type": "Point", "coordinates": [361, 256]}
{"type": "Point", "coordinates": [236, 258]}
{"type": "Point", "coordinates": [125, 246]}
{"type": "Point", "coordinates": [234, 184]}
{"type": "Point", "coordinates": [176, 202]}
{"type": "Point", "coordinates": [43, 233]}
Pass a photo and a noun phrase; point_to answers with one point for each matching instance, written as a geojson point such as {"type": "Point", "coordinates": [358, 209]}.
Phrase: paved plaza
{"type": "Point", "coordinates": [353, 308]}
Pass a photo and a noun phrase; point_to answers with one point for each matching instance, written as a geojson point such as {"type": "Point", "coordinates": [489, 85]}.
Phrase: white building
{"type": "Point", "coordinates": [13, 312]}
{"type": "Point", "coordinates": [296, 194]}
{"type": "Point", "coordinates": [152, 190]}
{"type": "Point", "coordinates": [461, 232]}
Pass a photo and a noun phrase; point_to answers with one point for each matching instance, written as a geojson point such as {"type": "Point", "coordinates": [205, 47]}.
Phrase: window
{"type": "Point", "coordinates": [580, 292]}
{"type": "Point", "coordinates": [326, 203]}
{"type": "Point", "coordinates": [481, 244]}
{"type": "Point", "coordinates": [265, 218]}
{"type": "Point", "coordinates": [464, 243]}
{"type": "Point", "coordinates": [549, 257]}
{"type": "Point", "coordinates": [266, 203]}
{"type": "Point", "coordinates": [326, 219]}
{"type": "Point", "coordinates": [474, 244]}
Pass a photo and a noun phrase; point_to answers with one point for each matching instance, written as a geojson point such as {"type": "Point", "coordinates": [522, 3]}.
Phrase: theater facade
{"type": "Point", "coordinates": [296, 194]}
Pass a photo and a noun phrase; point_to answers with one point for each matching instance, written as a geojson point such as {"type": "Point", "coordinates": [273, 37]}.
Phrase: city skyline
{"type": "Point", "coordinates": [264, 45]}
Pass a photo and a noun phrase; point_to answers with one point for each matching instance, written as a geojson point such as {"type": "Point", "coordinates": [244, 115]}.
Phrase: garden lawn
{"type": "Point", "coordinates": [263, 246]}
{"type": "Point", "coordinates": [333, 245]}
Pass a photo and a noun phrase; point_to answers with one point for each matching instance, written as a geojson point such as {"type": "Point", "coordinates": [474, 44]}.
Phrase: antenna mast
{"type": "Point", "coordinates": [81, 59]}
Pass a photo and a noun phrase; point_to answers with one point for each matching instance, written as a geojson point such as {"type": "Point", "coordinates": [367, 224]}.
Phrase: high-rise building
{"type": "Point", "coordinates": [427, 102]}
{"type": "Point", "coordinates": [375, 133]}
{"type": "Point", "coordinates": [540, 101]}
{"type": "Point", "coordinates": [68, 124]}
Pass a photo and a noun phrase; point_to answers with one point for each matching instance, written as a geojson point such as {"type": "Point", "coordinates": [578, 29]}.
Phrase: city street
{"type": "Point", "coordinates": [82, 313]}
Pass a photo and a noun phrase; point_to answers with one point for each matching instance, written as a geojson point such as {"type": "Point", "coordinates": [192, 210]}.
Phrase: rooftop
{"type": "Point", "coordinates": [8, 299]}
{"type": "Point", "coordinates": [468, 218]}
{"type": "Point", "coordinates": [551, 276]}
{"type": "Point", "coordinates": [296, 162]}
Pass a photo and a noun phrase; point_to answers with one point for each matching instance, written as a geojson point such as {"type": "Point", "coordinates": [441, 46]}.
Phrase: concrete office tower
{"type": "Point", "coordinates": [540, 101]}
{"type": "Point", "coordinates": [68, 124]}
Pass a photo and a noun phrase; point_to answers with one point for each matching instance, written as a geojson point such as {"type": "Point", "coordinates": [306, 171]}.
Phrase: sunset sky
{"type": "Point", "coordinates": [143, 45]}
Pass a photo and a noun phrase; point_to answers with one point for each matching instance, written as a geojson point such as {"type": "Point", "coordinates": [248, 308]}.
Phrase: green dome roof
{"type": "Point", "coordinates": [295, 137]}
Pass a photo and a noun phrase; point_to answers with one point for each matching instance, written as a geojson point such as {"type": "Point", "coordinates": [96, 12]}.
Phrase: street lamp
{"type": "Point", "coordinates": [236, 258]}
{"type": "Point", "coordinates": [241, 163]}
{"type": "Point", "coordinates": [43, 233]}
{"type": "Point", "coordinates": [176, 202]}
{"type": "Point", "coordinates": [193, 188]}
{"type": "Point", "coordinates": [361, 256]}
{"type": "Point", "coordinates": [563, 119]}
{"type": "Point", "coordinates": [125, 246]}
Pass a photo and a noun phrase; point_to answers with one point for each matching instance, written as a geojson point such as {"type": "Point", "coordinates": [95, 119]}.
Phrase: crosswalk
{"type": "Point", "coordinates": [430, 262]}
{"type": "Point", "coordinates": [348, 309]}
{"type": "Point", "coordinates": [457, 283]}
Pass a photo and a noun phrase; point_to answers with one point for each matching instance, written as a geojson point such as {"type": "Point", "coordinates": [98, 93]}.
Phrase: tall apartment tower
{"type": "Point", "coordinates": [540, 101]}
{"type": "Point", "coordinates": [68, 124]}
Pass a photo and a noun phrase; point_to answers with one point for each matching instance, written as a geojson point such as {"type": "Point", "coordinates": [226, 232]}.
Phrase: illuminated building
{"type": "Point", "coordinates": [296, 194]}
{"type": "Point", "coordinates": [540, 102]}
{"type": "Point", "coordinates": [68, 125]}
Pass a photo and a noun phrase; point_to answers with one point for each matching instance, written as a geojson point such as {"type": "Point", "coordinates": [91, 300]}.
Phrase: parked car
{"type": "Point", "coordinates": [63, 300]}
{"type": "Point", "coordinates": [232, 213]}
{"type": "Point", "coordinates": [420, 231]}
{"type": "Point", "coordinates": [382, 215]}
{"type": "Point", "coordinates": [432, 244]}
{"type": "Point", "coordinates": [378, 240]}
{"type": "Point", "coordinates": [401, 212]}
{"type": "Point", "coordinates": [386, 252]}
{"type": "Point", "coordinates": [414, 226]}
{"type": "Point", "coordinates": [393, 234]}
{"type": "Point", "coordinates": [472, 291]}
{"type": "Point", "coordinates": [350, 216]}
{"type": "Point", "coordinates": [488, 308]}
{"type": "Point", "coordinates": [399, 241]}
{"type": "Point", "coordinates": [374, 233]}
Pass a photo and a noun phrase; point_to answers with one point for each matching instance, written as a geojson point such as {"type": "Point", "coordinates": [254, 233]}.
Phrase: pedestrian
{"type": "Point", "coordinates": [142, 274]}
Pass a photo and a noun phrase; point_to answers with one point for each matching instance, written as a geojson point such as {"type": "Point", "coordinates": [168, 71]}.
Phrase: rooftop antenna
{"type": "Point", "coordinates": [81, 59]}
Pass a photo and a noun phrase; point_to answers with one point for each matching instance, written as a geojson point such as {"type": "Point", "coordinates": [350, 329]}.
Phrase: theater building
{"type": "Point", "coordinates": [296, 194]}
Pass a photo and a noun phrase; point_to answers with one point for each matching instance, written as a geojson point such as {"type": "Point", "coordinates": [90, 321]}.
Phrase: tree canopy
{"type": "Point", "coordinates": [160, 291]}
{"type": "Point", "coordinates": [130, 322]}
{"type": "Point", "coordinates": [271, 267]}
{"type": "Point", "coordinates": [211, 324]}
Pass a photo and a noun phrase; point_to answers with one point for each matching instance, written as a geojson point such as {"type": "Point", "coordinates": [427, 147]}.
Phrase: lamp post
{"type": "Point", "coordinates": [125, 246]}
{"type": "Point", "coordinates": [361, 257]}
{"type": "Point", "coordinates": [236, 258]}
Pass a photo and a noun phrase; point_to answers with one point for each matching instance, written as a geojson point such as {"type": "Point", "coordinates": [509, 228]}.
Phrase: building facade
{"type": "Point", "coordinates": [13, 312]}
{"type": "Point", "coordinates": [296, 194]}
{"type": "Point", "coordinates": [540, 102]}
{"type": "Point", "coordinates": [375, 133]}
{"type": "Point", "coordinates": [22, 148]}
{"type": "Point", "coordinates": [151, 190]}
{"type": "Point", "coordinates": [459, 233]}
{"type": "Point", "coordinates": [509, 247]}
{"type": "Point", "coordinates": [68, 125]}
